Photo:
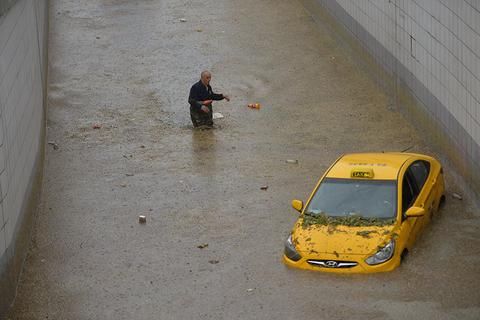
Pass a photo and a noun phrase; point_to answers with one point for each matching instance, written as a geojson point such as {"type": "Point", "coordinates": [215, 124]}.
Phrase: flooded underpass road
{"type": "Point", "coordinates": [127, 66]}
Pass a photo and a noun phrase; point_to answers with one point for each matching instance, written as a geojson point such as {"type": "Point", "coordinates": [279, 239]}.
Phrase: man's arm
{"type": "Point", "coordinates": [218, 96]}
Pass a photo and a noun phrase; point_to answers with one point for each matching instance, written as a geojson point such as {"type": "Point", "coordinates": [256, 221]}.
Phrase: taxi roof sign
{"type": "Point", "coordinates": [362, 173]}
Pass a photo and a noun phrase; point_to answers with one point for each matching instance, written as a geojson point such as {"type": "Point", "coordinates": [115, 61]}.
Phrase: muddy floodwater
{"type": "Point", "coordinates": [119, 77]}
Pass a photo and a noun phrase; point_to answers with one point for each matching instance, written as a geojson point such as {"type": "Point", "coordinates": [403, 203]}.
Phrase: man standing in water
{"type": "Point", "coordinates": [200, 99]}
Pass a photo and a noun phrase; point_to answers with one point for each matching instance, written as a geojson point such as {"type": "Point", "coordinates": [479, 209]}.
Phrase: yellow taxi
{"type": "Point", "coordinates": [365, 213]}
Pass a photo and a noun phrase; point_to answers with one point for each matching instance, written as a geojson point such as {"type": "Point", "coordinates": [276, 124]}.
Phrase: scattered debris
{"type": "Point", "coordinates": [250, 290]}
{"type": "Point", "coordinates": [183, 20]}
{"type": "Point", "coordinates": [142, 146]}
{"type": "Point", "coordinates": [263, 187]}
{"type": "Point", "coordinates": [199, 30]}
{"type": "Point", "coordinates": [213, 261]}
{"type": "Point", "coordinates": [292, 161]}
{"type": "Point", "coordinates": [96, 126]}
{"type": "Point", "coordinates": [457, 196]}
{"type": "Point", "coordinates": [142, 219]}
{"type": "Point", "coordinates": [202, 246]}
{"type": "Point", "coordinates": [254, 105]}
{"type": "Point", "coordinates": [53, 144]}
{"type": "Point", "coordinates": [123, 185]}
{"type": "Point", "coordinates": [217, 115]}
{"type": "Point", "coordinates": [98, 37]}
{"type": "Point", "coordinates": [129, 174]}
{"type": "Point", "coordinates": [332, 58]}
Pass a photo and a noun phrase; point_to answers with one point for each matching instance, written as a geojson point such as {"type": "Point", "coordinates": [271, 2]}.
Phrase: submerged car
{"type": "Point", "coordinates": [365, 213]}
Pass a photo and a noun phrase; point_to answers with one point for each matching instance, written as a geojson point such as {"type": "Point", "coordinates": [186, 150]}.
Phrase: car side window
{"type": "Point", "coordinates": [408, 193]}
{"type": "Point", "coordinates": [419, 171]}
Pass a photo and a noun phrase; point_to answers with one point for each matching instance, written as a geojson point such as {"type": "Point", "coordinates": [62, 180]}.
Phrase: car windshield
{"type": "Point", "coordinates": [350, 197]}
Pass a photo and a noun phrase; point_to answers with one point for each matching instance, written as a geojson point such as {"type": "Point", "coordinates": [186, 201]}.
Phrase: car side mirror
{"type": "Point", "coordinates": [297, 205]}
{"type": "Point", "coordinates": [415, 212]}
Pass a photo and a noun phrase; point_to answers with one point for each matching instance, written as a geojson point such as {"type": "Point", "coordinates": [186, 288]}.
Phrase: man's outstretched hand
{"type": "Point", "coordinates": [226, 97]}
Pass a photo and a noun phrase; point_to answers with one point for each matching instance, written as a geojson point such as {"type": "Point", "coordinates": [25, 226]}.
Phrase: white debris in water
{"type": "Point", "coordinates": [457, 196]}
{"type": "Point", "coordinates": [217, 115]}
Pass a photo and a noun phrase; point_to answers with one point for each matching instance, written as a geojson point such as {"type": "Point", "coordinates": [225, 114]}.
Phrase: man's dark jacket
{"type": "Point", "coordinates": [198, 93]}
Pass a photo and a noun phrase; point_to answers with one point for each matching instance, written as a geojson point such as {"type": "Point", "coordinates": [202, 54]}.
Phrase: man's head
{"type": "Point", "coordinates": [205, 77]}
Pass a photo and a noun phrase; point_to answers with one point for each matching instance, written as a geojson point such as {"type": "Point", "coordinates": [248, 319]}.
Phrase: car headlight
{"type": "Point", "coordinates": [382, 255]}
{"type": "Point", "coordinates": [290, 250]}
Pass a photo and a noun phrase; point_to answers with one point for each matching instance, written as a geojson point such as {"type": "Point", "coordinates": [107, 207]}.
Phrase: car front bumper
{"type": "Point", "coordinates": [341, 264]}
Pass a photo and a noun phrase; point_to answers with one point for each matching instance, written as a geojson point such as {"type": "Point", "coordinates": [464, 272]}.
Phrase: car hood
{"type": "Point", "coordinates": [341, 239]}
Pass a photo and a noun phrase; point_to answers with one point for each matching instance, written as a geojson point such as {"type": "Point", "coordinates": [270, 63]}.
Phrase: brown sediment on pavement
{"type": "Point", "coordinates": [92, 259]}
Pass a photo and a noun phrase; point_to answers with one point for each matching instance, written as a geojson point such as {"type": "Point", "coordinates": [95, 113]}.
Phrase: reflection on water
{"type": "Point", "coordinates": [203, 152]}
{"type": "Point", "coordinates": [204, 163]}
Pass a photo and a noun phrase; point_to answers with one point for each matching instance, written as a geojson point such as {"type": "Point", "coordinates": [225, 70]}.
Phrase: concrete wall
{"type": "Point", "coordinates": [429, 52]}
{"type": "Point", "coordinates": [23, 68]}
